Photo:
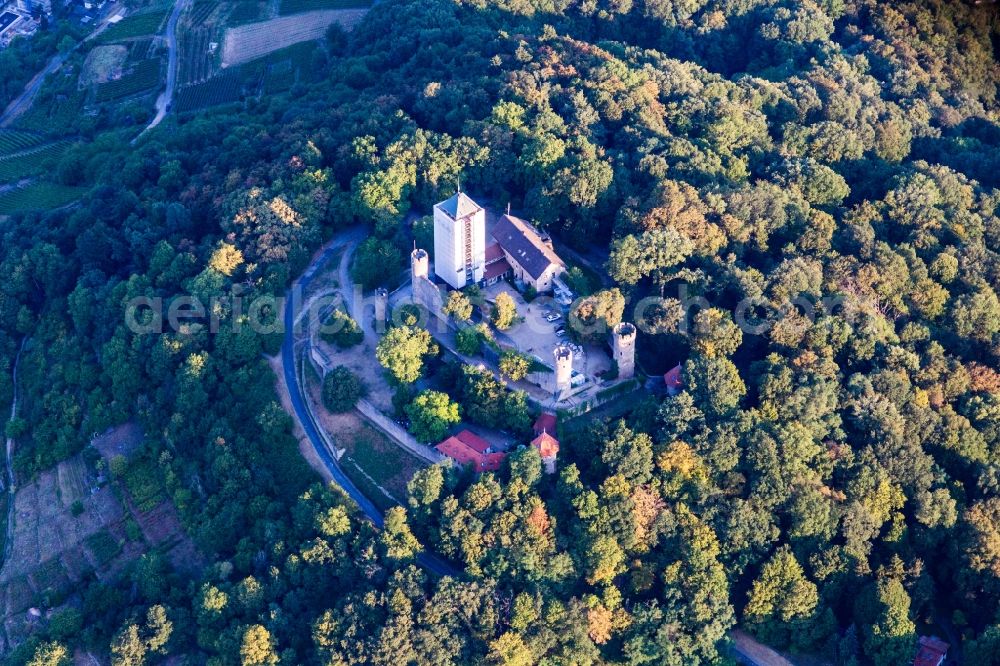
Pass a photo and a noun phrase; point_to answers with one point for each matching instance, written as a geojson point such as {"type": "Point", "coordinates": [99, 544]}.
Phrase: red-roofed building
{"type": "Point", "coordinates": [468, 448]}
{"type": "Point", "coordinates": [548, 448]}
{"type": "Point", "coordinates": [546, 422]}
{"type": "Point", "coordinates": [496, 264]}
{"type": "Point", "coordinates": [474, 441]}
{"type": "Point", "coordinates": [673, 380]}
{"type": "Point", "coordinates": [931, 651]}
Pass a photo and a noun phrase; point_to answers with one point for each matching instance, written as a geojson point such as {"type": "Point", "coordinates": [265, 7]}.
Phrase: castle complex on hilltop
{"type": "Point", "coordinates": [465, 254]}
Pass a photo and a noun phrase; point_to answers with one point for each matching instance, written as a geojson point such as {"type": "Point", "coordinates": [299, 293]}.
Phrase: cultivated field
{"type": "Point", "coordinates": [145, 75]}
{"type": "Point", "coordinates": [66, 529]}
{"type": "Point", "coordinates": [103, 64]}
{"type": "Point", "coordinates": [248, 42]}
{"type": "Point", "coordinates": [136, 25]}
{"type": "Point", "coordinates": [15, 141]}
{"type": "Point", "coordinates": [196, 62]}
{"type": "Point", "coordinates": [30, 162]}
{"type": "Point", "coordinates": [37, 196]}
{"type": "Point", "coordinates": [52, 116]}
{"type": "Point", "coordinates": [297, 6]}
{"type": "Point", "coordinates": [274, 73]}
{"type": "Point", "coordinates": [202, 10]}
{"type": "Point", "coordinates": [228, 87]}
{"type": "Point", "coordinates": [70, 527]}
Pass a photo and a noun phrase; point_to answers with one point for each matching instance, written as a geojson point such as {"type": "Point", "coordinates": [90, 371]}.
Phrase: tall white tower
{"type": "Point", "coordinates": [623, 349]}
{"type": "Point", "coordinates": [459, 241]}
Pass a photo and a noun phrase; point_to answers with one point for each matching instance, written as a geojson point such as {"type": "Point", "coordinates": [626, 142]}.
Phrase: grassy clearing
{"type": "Point", "coordinates": [136, 25]}
{"type": "Point", "coordinates": [365, 485]}
{"type": "Point", "coordinates": [144, 76]}
{"type": "Point", "coordinates": [380, 458]}
{"type": "Point", "coordinates": [38, 196]}
{"type": "Point", "coordinates": [14, 141]}
{"type": "Point", "coordinates": [298, 6]}
{"type": "Point", "coordinates": [30, 163]}
{"type": "Point", "coordinates": [103, 64]}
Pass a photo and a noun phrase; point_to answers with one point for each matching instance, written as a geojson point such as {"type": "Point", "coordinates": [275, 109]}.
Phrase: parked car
{"type": "Point", "coordinates": [560, 332]}
{"type": "Point", "coordinates": [554, 316]}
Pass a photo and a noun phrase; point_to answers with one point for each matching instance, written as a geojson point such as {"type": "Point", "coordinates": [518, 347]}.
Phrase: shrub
{"type": "Point", "coordinates": [340, 329]}
{"type": "Point", "coordinates": [468, 341]}
{"type": "Point", "coordinates": [514, 365]}
{"type": "Point", "coordinates": [341, 390]}
{"type": "Point", "coordinates": [431, 414]}
{"type": "Point", "coordinates": [504, 311]}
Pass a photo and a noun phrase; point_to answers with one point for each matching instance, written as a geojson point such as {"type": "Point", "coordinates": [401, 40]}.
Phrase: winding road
{"type": "Point", "coordinates": [290, 358]}
{"type": "Point", "coordinates": [166, 98]}
{"type": "Point", "coordinates": [22, 102]}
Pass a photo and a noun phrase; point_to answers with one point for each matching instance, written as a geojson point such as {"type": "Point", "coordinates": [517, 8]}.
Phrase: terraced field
{"type": "Point", "coordinates": [50, 116]}
{"type": "Point", "coordinates": [15, 141]}
{"type": "Point", "coordinates": [38, 196]}
{"type": "Point", "coordinates": [272, 74]}
{"type": "Point", "coordinates": [30, 162]}
{"type": "Point", "coordinates": [196, 63]}
{"type": "Point", "coordinates": [229, 86]}
{"type": "Point", "coordinates": [202, 10]}
{"type": "Point", "coordinates": [144, 76]}
{"type": "Point", "coordinates": [136, 25]}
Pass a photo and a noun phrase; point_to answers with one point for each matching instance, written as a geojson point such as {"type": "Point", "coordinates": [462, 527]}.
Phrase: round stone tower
{"type": "Point", "coordinates": [419, 264]}
{"type": "Point", "coordinates": [623, 349]}
{"type": "Point", "coordinates": [563, 355]}
{"type": "Point", "coordinates": [381, 304]}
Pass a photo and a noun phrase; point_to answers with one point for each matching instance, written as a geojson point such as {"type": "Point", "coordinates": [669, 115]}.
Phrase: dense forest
{"type": "Point", "coordinates": [830, 485]}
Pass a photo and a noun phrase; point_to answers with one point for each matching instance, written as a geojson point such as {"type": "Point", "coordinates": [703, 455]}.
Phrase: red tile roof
{"type": "Point", "coordinates": [473, 441]}
{"type": "Point", "coordinates": [673, 378]}
{"type": "Point", "coordinates": [931, 651]}
{"type": "Point", "coordinates": [457, 451]}
{"type": "Point", "coordinates": [547, 445]}
{"type": "Point", "coordinates": [496, 269]}
{"type": "Point", "coordinates": [494, 253]}
{"type": "Point", "coordinates": [545, 422]}
{"type": "Point", "coordinates": [467, 448]}
{"type": "Point", "coordinates": [491, 462]}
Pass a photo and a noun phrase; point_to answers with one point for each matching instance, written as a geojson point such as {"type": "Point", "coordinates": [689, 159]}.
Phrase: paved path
{"type": "Point", "coordinates": [166, 98]}
{"type": "Point", "coordinates": [750, 652]}
{"type": "Point", "coordinates": [22, 102]}
{"type": "Point", "coordinates": [290, 358]}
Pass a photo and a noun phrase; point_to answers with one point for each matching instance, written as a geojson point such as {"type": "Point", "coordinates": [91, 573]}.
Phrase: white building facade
{"type": "Point", "coordinates": [459, 241]}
